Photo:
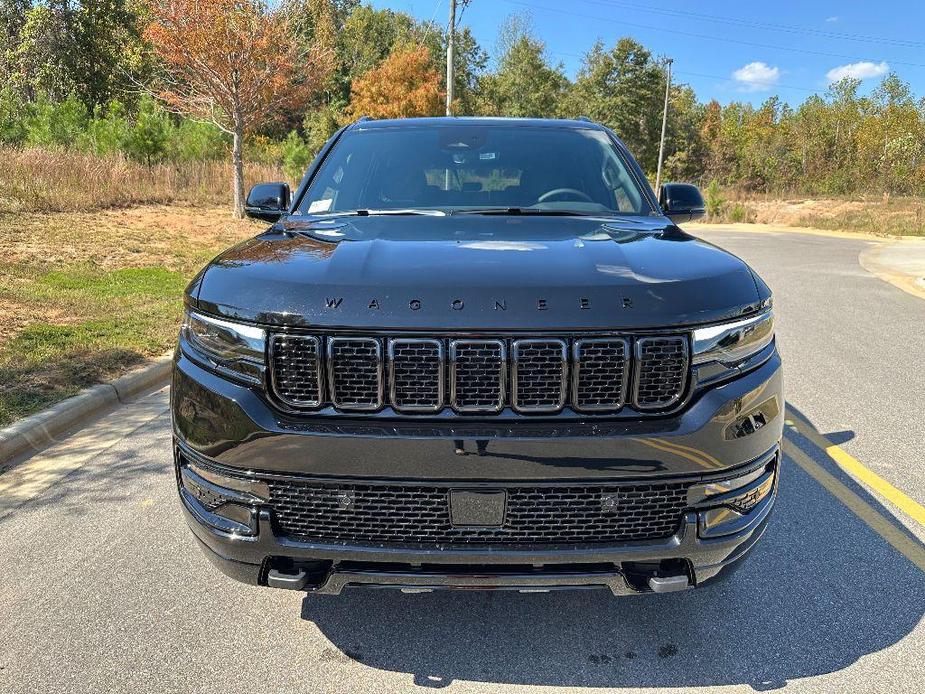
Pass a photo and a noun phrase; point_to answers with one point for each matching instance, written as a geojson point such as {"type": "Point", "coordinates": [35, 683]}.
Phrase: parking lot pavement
{"type": "Point", "coordinates": [104, 590]}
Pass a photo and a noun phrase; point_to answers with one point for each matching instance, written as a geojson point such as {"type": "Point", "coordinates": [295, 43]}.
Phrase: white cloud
{"type": "Point", "coordinates": [756, 76]}
{"type": "Point", "coordinates": [831, 20]}
{"type": "Point", "coordinates": [859, 71]}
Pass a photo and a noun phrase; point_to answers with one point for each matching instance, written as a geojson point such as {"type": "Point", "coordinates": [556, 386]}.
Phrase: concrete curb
{"type": "Point", "coordinates": [43, 428]}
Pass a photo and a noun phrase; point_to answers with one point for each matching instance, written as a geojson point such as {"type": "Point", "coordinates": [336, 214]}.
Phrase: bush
{"type": "Point", "coordinates": [12, 117]}
{"type": "Point", "coordinates": [740, 213]}
{"type": "Point", "coordinates": [146, 141]}
{"type": "Point", "coordinates": [296, 156]}
{"type": "Point", "coordinates": [55, 124]}
{"type": "Point", "coordinates": [714, 200]}
{"type": "Point", "coordinates": [107, 132]}
{"type": "Point", "coordinates": [194, 141]}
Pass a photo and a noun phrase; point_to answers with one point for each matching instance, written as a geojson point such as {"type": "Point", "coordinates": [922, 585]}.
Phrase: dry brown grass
{"type": "Point", "coordinates": [882, 215]}
{"type": "Point", "coordinates": [42, 180]}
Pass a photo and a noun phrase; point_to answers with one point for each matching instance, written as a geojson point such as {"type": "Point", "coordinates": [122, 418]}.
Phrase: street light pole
{"type": "Point", "coordinates": [661, 144]}
{"type": "Point", "coordinates": [451, 39]}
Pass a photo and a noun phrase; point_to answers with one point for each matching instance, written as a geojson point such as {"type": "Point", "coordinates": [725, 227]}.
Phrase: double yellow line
{"type": "Point", "coordinates": [904, 543]}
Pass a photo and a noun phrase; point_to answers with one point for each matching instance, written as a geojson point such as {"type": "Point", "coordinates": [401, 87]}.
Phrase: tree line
{"type": "Point", "coordinates": [170, 80]}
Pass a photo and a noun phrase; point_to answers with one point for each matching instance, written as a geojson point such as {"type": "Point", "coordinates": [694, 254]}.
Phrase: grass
{"type": "Point", "coordinates": [85, 296]}
{"type": "Point", "coordinates": [887, 216]}
{"type": "Point", "coordinates": [43, 180]}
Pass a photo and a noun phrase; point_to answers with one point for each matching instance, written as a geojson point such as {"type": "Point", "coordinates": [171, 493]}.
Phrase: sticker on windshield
{"type": "Point", "coordinates": [322, 205]}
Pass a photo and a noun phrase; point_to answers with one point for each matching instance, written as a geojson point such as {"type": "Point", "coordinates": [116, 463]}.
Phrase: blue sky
{"type": "Point", "coordinates": [730, 51]}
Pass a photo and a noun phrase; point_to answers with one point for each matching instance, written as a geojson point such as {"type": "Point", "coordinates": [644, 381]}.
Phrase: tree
{"type": "Point", "coordinates": [405, 85]}
{"type": "Point", "coordinates": [232, 63]}
{"type": "Point", "coordinates": [525, 84]}
{"type": "Point", "coordinates": [624, 89]}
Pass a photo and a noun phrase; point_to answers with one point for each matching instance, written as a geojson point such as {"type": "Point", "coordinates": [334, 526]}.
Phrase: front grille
{"type": "Point", "coordinates": [409, 515]}
{"type": "Point", "coordinates": [416, 372]}
{"type": "Point", "coordinates": [355, 372]}
{"type": "Point", "coordinates": [477, 375]}
{"type": "Point", "coordinates": [297, 369]}
{"type": "Point", "coordinates": [661, 371]}
{"type": "Point", "coordinates": [539, 375]}
{"type": "Point", "coordinates": [533, 375]}
{"type": "Point", "coordinates": [601, 367]}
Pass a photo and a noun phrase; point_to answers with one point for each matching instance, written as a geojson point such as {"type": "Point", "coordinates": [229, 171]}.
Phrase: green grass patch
{"type": "Point", "coordinates": [108, 322]}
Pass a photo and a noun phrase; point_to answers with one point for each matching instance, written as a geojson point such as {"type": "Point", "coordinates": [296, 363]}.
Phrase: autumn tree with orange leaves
{"type": "Point", "coordinates": [404, 85]}
{"type": "Point", "coordinates": [232, 63]}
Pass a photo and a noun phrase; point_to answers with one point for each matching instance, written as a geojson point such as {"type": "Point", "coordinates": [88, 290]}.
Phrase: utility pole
{"type": "Point", "coordinates": [451, 39]}
{"type": "Point", "coordinates": [661, 144]}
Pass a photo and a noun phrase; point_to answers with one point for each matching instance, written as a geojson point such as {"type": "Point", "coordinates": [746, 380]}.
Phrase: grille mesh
{"type": "Point", "coordinates": [539, 375]}
{"type": "Point", "coordinates": [478, 374]}
{"type": "Point", "coordinates": [661, 371]}
{"type": "Point", "coordinates": [406, 515]}
{"type": "Point", "coordinates": [355, 366]}
{"type": "Point", "coordinates": [600, 383]}
{"type": "Point", "coordinates": [417, 374]}
{"type": "Point", "coordinates": [296, 369]}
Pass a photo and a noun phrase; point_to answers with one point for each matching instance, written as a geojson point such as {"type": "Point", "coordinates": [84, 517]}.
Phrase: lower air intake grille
{"type": "Point", "coordinates": [408, 515]}
{"type": "Point", "coordinates": [661, 371]}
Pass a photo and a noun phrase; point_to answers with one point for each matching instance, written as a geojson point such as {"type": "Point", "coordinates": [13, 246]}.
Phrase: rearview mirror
{"type": "Point", "coordinates": [268, 201]}
{"type": "Point", "coordinates": [681, 202]}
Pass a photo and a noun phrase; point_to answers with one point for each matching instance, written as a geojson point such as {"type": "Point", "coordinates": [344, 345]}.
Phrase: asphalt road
{"type": "Point", "coordinates": [102, 589]}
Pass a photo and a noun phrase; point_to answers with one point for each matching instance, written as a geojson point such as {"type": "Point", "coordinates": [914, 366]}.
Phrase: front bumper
{"type": "Point", "coordinates": [232, 427]}
{"type": "Point", "coordinates": [270, 559]}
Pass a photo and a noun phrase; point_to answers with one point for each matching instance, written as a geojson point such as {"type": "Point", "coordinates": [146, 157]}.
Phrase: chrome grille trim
{"type": "Point", "coordinates": [395, 394]}
{"type": "Point", "coordinates": [288, 382]}
{"type": "Point", "coordinates": [667, 391]}
{"type": "Point", "coordinates": [579, 397]}
{"type": "Point", "coordinates": [521, 383]}
{"type": "Point", "coordinates": [337, 364]}
{"type": "Point", "coordinates": [457, 351]}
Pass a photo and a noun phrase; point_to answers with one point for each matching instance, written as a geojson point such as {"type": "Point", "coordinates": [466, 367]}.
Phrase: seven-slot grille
{"type": "Point", "coordinates": [410, 514]}
{"type": "Point", "coordinates": [532, 375]}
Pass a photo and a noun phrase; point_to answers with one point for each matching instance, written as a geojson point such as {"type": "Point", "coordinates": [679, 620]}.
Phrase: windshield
{"type": "Point", "coordinates": [475, 168]}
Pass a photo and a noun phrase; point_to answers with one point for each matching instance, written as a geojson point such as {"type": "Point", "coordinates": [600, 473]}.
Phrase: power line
{"type": "Point", "coordinates": [761, 24]}
{"type": "Point", "coordinates": [702, 36]}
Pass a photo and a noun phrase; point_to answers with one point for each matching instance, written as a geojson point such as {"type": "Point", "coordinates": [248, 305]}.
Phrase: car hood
{"type": "Point", "coordinates": [476, 273]}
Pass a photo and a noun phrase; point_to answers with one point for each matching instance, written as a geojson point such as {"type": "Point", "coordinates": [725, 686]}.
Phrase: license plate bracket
{"type": "Point", "coordinates": [478, 508]}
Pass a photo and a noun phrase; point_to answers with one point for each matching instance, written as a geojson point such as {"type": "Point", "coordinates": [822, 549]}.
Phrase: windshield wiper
{"type": "Point", "coordinates": [530, 211]}
{"type": "Point", "coordinates": [376, 213]}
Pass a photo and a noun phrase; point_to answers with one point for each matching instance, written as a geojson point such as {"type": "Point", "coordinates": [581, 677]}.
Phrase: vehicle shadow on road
{"type": "Point", "coordinates": [820, 591]}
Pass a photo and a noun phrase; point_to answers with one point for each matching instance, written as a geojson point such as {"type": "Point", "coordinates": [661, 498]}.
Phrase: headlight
{"type": "Point", "coordinates": [229, 346]}
{"type": "Point", "coordinates": [732, 343]}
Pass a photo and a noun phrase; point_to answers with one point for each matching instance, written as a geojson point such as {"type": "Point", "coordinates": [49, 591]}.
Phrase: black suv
{"type": "Point", "coordinates": [477, 353]}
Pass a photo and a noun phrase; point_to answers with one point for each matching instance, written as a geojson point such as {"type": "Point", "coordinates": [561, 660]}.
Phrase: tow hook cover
{"type": "Point", "coordinates": [669, 584]}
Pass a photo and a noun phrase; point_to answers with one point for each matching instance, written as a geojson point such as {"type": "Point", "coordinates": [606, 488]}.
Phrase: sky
{"type": "Point", "coordinates": [728, 51]}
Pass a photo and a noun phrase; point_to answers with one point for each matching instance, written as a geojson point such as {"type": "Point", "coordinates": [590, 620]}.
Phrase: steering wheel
{"type": "Point", "coordinates": [563, 191]}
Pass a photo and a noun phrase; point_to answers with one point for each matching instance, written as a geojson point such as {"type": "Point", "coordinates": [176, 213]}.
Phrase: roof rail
{"type": "Point", "coordinates": [363, 118]}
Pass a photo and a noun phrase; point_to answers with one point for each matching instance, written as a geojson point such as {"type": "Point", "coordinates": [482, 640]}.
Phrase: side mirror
{"type": "Point", "coordinates": [268, 201]}
{"type": "Point", "coordinates": [681, 202]}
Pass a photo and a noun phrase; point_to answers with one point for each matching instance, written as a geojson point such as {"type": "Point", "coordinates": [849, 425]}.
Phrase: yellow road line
{"type": "Point", "coordinates": [859, 471]}
{"type": "Point", "coordinates": [903, 543]}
